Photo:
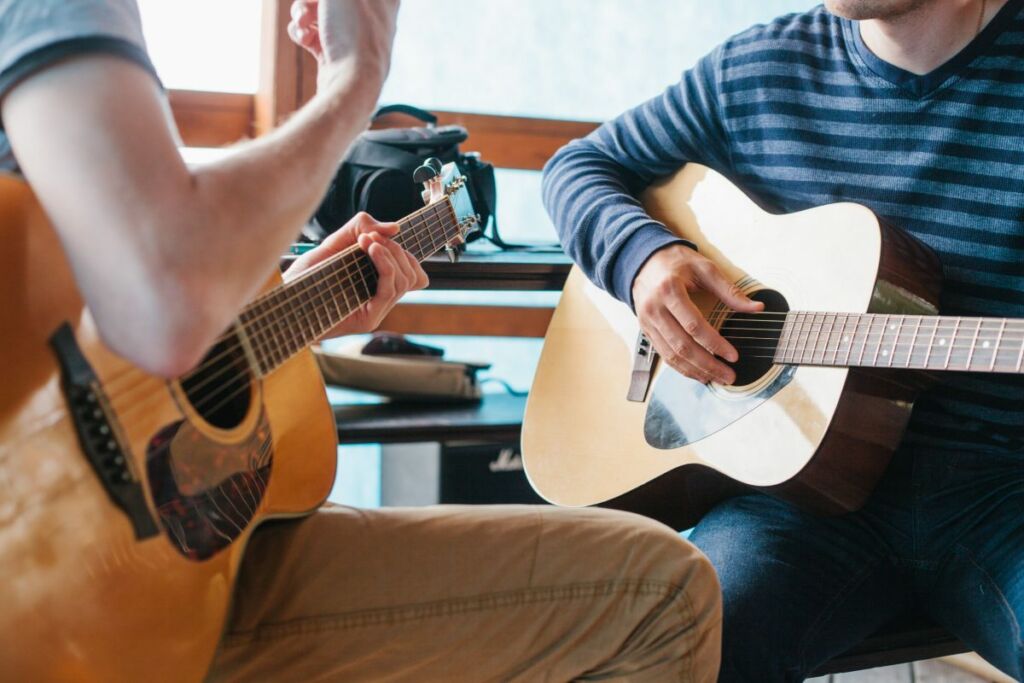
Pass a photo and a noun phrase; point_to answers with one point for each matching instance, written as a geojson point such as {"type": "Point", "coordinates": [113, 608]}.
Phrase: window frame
{"type": "Point", "coordinates": [288, 80]}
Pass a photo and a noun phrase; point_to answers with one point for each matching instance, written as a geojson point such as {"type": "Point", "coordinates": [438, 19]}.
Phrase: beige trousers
{"type": "Point", "coordinates": [482, 593]}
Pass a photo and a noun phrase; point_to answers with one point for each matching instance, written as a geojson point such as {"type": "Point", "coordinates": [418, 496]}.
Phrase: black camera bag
{"type": "Point", "coordinates": [376, 174]}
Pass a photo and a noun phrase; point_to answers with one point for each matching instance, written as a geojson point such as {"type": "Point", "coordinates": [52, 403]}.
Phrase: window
{"type": "Point", "coordinates": [223, 40]}
{"type": "Point", "coordinates": [560, 59]}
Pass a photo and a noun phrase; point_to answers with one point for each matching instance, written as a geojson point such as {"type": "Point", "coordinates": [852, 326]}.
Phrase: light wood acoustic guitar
{"type": "Point", "coordinates": [823, 392]}
{"type": "Point", "coordinates": [126, 500]}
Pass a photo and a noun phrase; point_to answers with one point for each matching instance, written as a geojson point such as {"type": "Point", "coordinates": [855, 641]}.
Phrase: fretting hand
{"type": "Point", "coordinates": [398, 271]}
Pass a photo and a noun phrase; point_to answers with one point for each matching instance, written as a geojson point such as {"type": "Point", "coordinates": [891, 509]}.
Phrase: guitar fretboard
{"type": "Point", "coordinates": [902, 341]}
{"type": "Point", "coordinates": [295, 314]}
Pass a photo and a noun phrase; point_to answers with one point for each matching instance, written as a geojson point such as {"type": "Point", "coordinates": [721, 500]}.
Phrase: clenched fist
{"type": "Point", "coordinates": [347, 37]}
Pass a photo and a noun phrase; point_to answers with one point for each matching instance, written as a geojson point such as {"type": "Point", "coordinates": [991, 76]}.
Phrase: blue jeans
{"type": "Point", "coordinates": [943, 534]}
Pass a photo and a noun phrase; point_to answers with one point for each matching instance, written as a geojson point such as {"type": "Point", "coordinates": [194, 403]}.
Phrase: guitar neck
{"type": "Point", "coordinates": [295, 314]}
{"type": "Point", "coordinates": [912, 342]}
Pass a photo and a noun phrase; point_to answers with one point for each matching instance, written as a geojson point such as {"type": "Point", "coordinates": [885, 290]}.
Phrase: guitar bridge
{"type": "Point", "coordinates": [96, 434]}
{"type": "Point", "coordinates": [643, 362]}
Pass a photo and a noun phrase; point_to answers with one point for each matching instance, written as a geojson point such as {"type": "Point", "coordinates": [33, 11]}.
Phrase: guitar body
{"type": "Point", "coordinates": [817, 436]}
{"type": "Point", "coordinates": [88, 593]}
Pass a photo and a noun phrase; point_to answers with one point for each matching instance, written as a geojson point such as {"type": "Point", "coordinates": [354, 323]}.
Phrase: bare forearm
{"type": "Point", "coordinates": [254, 201]}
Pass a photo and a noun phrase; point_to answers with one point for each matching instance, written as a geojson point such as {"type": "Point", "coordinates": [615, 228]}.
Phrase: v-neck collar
{"type": "Point", "coordinates": [922, 85]}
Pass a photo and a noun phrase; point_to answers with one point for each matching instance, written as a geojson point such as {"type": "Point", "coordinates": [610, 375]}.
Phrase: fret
{"type": "Point", "coordinates": [300, 310]}
{"type": "Point", "coordinates": [260, 332]}
{"type": "Point", "coordinates": [821, 341]}
{"type": "Point", "coordinates": [999, 341]}
{"type": "Point", "coordinates": [973, 345]}
{"type": "Point", "coordinates": [320, 300]}
{"type": "Point", "coordinates": [913, 343]}
{"type": "Point", "coordinates": [841, 338]}
{"type": "Point", "coordinates": [815, 329]}
{"type": "Point", "coordinates": [251, 333]}
{"type": "Point", "coordinates": [332, 295]}
{"type": "Point", "coordinates": [895, 342]}
{"type": "Point", "coordinates": [849, 337]}
{"type": "Point", "coordinates": [1020, 354]}
{"type": "Point", "coordinates": [267, 323]}
{"type": "Point", "coordinates": [793, 319]}
{"type": "Point", "coordinates": [292, 327]}
{"type": "Point", "coordinates": [782, 349]}
{"type": "Point", "coordinates": [801, 340]}
{"type": "Point", "coordinates": [808, 329]}
{"type": "Point", "coordinates": [341, 285]}
{"type": "Point", "coordinates": [881, 339]}
{"type": "Point", "coordinates": [866, 319]}
{"type": "Point", "coordinates": [282, 326]}
{"type": "Point", "coordinates": [435, 247]}
{"type": "Point", "coordinates": [798, 342]}
{"type": "Point", "coordinates": [425, 221]}
{"type": "Point", "coordinates": [931, 341]}
{"type": "Point", "coordinates": [951, 344]}
{"type": "Point", "coordinates": [831, 318]}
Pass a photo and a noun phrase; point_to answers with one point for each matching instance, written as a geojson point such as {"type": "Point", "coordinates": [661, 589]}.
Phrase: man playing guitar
{"type": "Point", "coordinates": [912, 108]}
{"type": "Point", "coordinates": [165, 256]}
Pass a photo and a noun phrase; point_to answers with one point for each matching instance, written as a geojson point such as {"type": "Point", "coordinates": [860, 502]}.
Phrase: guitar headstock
{"type": "Point", "coordinates": [446, 182]}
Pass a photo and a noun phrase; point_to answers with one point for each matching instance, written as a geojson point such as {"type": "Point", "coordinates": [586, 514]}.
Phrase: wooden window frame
{"type": "Point", "coordinates": [288, 80]}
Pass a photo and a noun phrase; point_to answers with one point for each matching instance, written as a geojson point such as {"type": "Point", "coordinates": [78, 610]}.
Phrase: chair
{"type": "Point", "coordinates": [908, 638]}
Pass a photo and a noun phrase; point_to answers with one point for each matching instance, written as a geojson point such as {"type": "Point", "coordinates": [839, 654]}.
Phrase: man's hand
{"type": "Point", "coordinates": [346, 36]}
{"type": "Point", "coordinates": [675, 326]}
{"type": "Point", "coordinates": [398, 271]}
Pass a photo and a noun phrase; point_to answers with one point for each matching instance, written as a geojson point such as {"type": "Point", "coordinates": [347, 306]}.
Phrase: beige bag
{"type": "Point", "coordinates": [406, 377]}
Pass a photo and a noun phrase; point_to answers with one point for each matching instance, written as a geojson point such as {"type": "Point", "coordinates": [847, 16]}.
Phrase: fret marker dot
{"type": "Point", "coordinates": [885, 353]}
{"type": "Point", "coordinates": [984, 345]}
{"type": "Point", "coordinates": [892, 327]}
{"type": "Point", "coordinates": [942, 342]}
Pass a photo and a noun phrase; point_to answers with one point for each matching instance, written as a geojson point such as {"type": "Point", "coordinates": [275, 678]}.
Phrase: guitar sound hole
{"type": "Point", "coordinates": [218, 388]}
{"type": "Point", "coordinates": [755, 336]}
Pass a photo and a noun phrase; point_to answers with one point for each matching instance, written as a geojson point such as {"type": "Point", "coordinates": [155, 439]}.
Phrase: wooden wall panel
{"type": "Point", "coordinates": [211, 119]}
{"type": "Point", "coordinates": [287, 72]}
{"type": "Point", "coordinates": [508, 141]}
{"type": "Point", "coordinates": [454, 319]}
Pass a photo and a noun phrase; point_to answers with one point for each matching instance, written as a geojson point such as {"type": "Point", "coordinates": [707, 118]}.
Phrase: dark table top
{"type": "Point", "coordinates": [498, 417]}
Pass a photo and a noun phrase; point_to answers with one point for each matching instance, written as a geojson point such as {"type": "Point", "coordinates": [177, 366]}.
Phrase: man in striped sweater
{"type": "Point", "coordinates": [913, 108]}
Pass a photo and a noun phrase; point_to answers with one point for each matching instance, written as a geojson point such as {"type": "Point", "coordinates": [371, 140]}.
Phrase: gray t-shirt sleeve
{"type": "Point", "coordinates": [37, 33]}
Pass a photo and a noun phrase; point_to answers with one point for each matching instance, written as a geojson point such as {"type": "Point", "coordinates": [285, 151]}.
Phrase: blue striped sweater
{"type": "Point", "coordinates": [800, 113]}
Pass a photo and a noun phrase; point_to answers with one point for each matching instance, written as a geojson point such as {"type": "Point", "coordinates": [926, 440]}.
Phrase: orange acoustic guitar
{"type": "Point", "coordinates": [127, 499]}
{"type": "Point", "coordinates": [823, 392]}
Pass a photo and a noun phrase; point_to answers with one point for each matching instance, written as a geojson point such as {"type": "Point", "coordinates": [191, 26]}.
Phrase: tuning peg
{"type": "Point", "coordinates": [425, 173]}
{"type": "Point", "coordinates": [435, 163]}
{"type": "Point", "coordinates": [453, 254]}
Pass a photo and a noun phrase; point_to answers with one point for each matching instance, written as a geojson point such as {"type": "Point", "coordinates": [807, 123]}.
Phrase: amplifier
{"type": "Point", "coordinates": [482, 473]}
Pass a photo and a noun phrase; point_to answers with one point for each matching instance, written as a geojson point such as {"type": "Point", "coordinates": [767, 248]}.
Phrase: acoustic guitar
{"type": "Point", "coordinates": [826, 380]}
{"type": "Point", "coordinates": [127, 499]}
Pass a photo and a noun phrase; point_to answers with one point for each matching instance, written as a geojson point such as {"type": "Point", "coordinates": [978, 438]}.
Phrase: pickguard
{"type": "Point", "coordinates": [206, 492]}
{"type": "Point", "coordinates": [683, 411]}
